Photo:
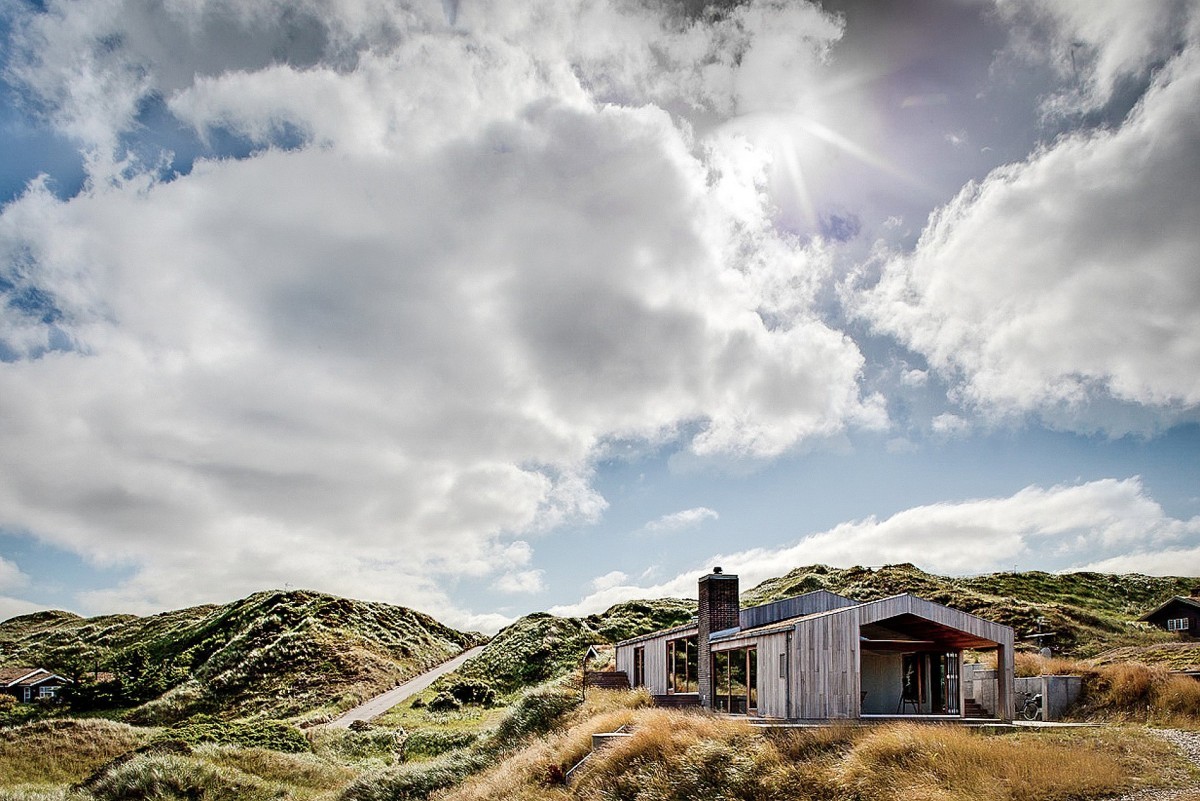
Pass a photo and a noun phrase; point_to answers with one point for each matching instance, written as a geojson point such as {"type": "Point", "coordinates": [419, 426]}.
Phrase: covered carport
{"type": "Point", "coordinates": [910, 665]}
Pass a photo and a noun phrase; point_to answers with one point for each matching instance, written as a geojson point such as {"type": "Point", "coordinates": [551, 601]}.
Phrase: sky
{"type": "Point", "coordinates": [487, 308]}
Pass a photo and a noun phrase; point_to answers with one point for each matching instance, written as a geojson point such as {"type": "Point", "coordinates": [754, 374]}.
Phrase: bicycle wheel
{"type": "Point", "coordinates": [1029, 711]}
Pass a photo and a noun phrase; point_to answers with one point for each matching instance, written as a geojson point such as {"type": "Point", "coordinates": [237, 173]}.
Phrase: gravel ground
{"type": "Point", "coordinates": [1189, 743]}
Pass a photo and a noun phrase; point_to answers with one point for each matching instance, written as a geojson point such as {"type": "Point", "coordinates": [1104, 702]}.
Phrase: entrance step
{"type": "Point", "coordinates": [972, 709]}
{"type": "Point", "coordinates": [678, 701]}
{"type": "Point", "coordinates": [606, 679]}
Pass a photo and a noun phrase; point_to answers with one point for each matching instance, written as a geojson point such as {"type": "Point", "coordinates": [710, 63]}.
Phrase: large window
{"type": "Point", "coordinates": [639, 667]}
{"type": "Point", "coordinates": [1177, 624]}
{"type": "Point", "coordinates": [735, 681]}
{"type": "Point", "coordinates": [682, 665]}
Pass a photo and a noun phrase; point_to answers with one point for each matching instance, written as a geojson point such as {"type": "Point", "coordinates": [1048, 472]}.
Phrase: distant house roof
{"type": "Point", "coordinates": [10, 676]}
{"type": "Point", "coordinates": [1178, 599]}
{"type": "Point", "coordinates": [27, 676]}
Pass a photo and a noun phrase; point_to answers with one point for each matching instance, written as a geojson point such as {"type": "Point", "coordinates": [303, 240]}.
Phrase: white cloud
{"type": "Point", "coordinates": [614, 578]}
{"type": "Point", "coordinates": [1063, 527]}
{"type": "Point", "coordinates": [523, 582]}
{"type": "Point", "coordinates": [12, 607]}
{"type": "Point", "coordinates": [678, 521]}
{"type": "Point", "coordinates": [950, 424]}
{"type": "Point", "coordinates": [388, 358]}
{"type": "Point", "coordinates": [1170, 562]}
{"type": "Point", "coordinates": [1096, 44]}
{"type": "Point", "coordinates": [11, 576]}
{"type": "Point", "coordinates": [1069, 277]}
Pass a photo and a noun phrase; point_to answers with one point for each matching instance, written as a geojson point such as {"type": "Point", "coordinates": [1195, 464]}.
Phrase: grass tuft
{"type": "Point", "coordinates": [62, 751]}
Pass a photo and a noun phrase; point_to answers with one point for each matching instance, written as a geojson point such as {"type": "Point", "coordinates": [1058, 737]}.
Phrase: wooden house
{"type": "Point", "coordinates": [1180, 614]}
{"type": "Point", "coordinates": [30, 684]}
{"type": "Point", "coordinates": [818, 656]}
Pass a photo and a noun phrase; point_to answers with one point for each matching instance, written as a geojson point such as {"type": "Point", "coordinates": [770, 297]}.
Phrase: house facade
{"type": "Point", "coordinates": [29, 684]}
{"type": "Point", "coordinates": [1180, 614]}
{"type": "Point", "coordinates": [819, 656]}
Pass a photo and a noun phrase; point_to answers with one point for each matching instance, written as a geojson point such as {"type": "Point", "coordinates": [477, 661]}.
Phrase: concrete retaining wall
{"type": "Point", "coordinates": [1058, 693]}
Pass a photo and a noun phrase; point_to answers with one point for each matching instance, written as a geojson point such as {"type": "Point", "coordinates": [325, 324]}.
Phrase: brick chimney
{"type": "Point", "coordinates": [719, 610]}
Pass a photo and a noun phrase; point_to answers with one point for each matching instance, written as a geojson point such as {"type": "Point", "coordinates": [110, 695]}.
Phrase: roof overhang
{"type": "Point", "coordinates": [909, 632]}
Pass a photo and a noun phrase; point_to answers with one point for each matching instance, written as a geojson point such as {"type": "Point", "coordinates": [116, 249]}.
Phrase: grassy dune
{"type": "Point", "coordinates": [672, 756]}
{"type": "Point", "coordinates": [279, 654]}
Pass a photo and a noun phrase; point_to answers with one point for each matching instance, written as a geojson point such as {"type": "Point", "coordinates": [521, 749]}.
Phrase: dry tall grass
{"type": "Point", "coordinates": [1026, 664]}
{"type": "Point", "coordinates": [910, 761]}
{"type": "Point", "coordinates": [56, 752]}
{"type": "Point", "coordinates": [672, 756]}
{"type": "Point", "coordinates": [1125, 691]}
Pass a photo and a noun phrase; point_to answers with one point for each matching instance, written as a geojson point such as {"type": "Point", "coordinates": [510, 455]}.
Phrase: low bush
{"type": "Point", "coordinates": [62, 750]}
{"type": "Point", "coordinates": [416, 781]}
{"type": "Point", "coordinates": [445, 702]}
{"type": "Point", "coordinates": [1132, 691]}
{"type": "Point", "coordinates": [165, 776]}
{"type": "Point", "coordinates": [537, 712]}
{"type": "Point", "coordinates": [471, 691]}
{"type": "Point", "coordinates": [432, 742]}
{"type": "Point", "coordinates": [375, 745]}
{"type": "Point", "coordinates": [273, 734]}
{"type": "Point", "coordinates": [1027, 664]}
{"type": "Point", "coordinates": [672, 756]}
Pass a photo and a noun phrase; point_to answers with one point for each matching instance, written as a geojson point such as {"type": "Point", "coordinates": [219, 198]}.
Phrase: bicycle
{"type": "Point", "coordinates": [1031, 708]}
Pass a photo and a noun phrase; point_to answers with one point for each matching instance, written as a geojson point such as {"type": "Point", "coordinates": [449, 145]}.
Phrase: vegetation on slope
{"type": "Point", "coordinates": [1088, 612]}
{"type": "Point", "coordinates": [673, 756]}
{"type": "Point", "coordinates": [1124, 691]}
{"type": "Point", "coordinates": [275, 653]}
{"type": "Point", "coordinates": [541, 647]}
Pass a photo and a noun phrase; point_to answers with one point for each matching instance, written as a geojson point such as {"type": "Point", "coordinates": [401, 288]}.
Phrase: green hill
{"type": "Point", "coordinates": [1088, 612]}
{"type": "Point", "coordinates": [276, 654]}
{"type": "Point", "coordinates": [540, 647]}
{"type": "Point", "coordinates": [302, 654]}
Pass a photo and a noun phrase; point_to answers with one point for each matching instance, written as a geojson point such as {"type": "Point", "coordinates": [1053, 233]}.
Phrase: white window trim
{"type": "Point", "coordinates": [1177, 624]}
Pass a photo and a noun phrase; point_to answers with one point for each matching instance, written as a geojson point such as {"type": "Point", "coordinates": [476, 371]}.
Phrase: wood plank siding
{"type": "Point", "coordinates": [824, 654]}
{"type": "Point", "coordinates": [655, 650]}
{"type": "Point", "coordinates": [807, 604]}
{"type": "Point", "coordinates": [810, 652]}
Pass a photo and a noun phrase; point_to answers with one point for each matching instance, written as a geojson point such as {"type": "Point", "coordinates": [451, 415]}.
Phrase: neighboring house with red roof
{"type": "Point", "coordinates": [30, 684]}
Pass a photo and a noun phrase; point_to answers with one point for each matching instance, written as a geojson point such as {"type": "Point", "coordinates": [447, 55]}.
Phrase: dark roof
{"type": "Point", "coordinates": [11, 675]}
{"type": "Point", "coordinates": [1183, 599]}
{"type": "Point", "coordinates": [27, 676]}
{"type": "Point", "coordinates": [687, 627]}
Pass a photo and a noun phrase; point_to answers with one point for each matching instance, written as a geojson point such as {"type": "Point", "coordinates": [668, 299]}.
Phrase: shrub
{"type": "Point", "coordinates": [370, 745]}
{"type": "Point", "coordinates": [273, 734]}
{"type": "Point", "coordinates": [1130, 690]}
{"type": "Point", "coordinates": [444, 702]}
{"type": "Point", "coordinates": [416, 781]}
{"type": "Point", "coordinates": [164, 776]}
{"type": "Point", "coordinates": [537, 712]}
{"type": "Point", "coordinates": [472, 691]}
{"type": "Point", "coordinates": [434, 742]}
{"type": "Point", "coordinates": [1027, 664]}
